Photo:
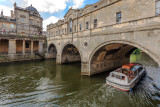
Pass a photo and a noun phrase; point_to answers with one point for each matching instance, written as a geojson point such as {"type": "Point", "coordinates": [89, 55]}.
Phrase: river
{"type": "Point", "coordinates": [45, 84]}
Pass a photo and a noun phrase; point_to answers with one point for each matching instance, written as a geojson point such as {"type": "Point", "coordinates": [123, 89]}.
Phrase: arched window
{"type": "Point", "coordinates": [70, 25]}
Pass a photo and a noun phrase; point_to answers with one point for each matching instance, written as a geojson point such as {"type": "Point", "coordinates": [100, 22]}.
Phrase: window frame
{"type": "Point", "coordinates": [12, 26]}
{"type": "Point", "coordinates": [119, 18]}
{"type": "Point", "coordinates": [80, 27]}
{"type": "Point", "coordinates": [157, 7]}
{"type": "Point", "coordinates": [95, 23]}
{"type": "Point", "coordinates": [87, 25]}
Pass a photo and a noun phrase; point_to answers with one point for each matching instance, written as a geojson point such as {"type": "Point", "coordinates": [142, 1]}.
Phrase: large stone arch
{"type": "Point", "coordinates": [52, 51]}
{"type": "Point", "coordinates": [70, 53]}
{"type": "Point", "coordinates": [120, 42]}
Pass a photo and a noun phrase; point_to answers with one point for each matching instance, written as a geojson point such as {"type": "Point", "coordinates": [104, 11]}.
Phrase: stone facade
{"type": "Point", "coordinates": [106, 33]}
{"type": "Point", "coordinates": [21, 35]}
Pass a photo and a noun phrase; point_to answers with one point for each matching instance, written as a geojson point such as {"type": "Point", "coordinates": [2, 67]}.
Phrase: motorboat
{"type": "Point", "coordinates": [126, 77]}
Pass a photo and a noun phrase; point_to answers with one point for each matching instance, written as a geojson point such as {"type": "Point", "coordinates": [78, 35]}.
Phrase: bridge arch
{"type": "Point", "coordinates": [52, 50]}
{"type": "Point", "coordinates": [113, 54]}
{"type": "Point", "coordinates": [70, 53]}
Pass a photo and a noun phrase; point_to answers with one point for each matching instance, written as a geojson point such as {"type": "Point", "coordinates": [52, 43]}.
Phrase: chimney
{"type": "Point", "coordinates": [2, 13]}
{"type": "Point", "coordinates": [12, 15]}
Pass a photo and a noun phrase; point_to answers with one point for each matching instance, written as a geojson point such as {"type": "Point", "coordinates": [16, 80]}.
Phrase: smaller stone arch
{"type": "Point", "coordinates": [52, 51]}
{"type": "Point", "coordinates": [70, 53]}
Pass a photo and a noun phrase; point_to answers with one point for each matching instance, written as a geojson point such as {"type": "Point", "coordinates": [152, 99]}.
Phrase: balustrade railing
{"type": "Point", "coordinates": [15, 34]}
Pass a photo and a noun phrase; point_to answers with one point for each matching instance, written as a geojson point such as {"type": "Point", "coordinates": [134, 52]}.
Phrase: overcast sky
{"type": "Point", "coordinates": [50, 10]}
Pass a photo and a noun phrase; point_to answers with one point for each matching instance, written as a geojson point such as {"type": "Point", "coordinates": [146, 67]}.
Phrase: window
{"type": "Point", "coordinates": [22, 19]}
{"type": "Point", "coordinates": [27, 45]}
{"type": "Point", "coordinates": [53, 34]}
{"type": "Point", "coordinates": [95, 6]}
{"type": "Point", "coordinates": [12, 26]}
{"type": "Point", "coordinates": [75, 28]}
{"type": "Point", "coordinates": [95, 23]}
{"type": "Point", "coordinates": [65, 31]}
{"type": "Point", "coordinates": [4, 25]}
{"type": "Point", "coordinates": [80, 27]}
{"type": "Point", "coordinates": [157, 7]}
{"type": "Point", "coordinates": [70, 25]}
{"type": "Point", "coordinates": [87, 24]}
{"type": "Point", "coordinates": [31, 22]}
{"type": "Point", "coordinates": [118, 17]}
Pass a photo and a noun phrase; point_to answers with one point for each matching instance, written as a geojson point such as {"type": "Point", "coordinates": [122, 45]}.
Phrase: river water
{"type": "Point", "coordinates": [45, 84]}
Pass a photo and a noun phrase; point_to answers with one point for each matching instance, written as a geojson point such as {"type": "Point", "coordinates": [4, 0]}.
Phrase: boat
{"type": "Point", "coordinates": [126, 77]}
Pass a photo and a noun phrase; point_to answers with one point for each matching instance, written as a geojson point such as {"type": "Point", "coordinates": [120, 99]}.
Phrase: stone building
{"type": "Point", "coordinates": [103, 35]}
{"type": "Point", "coordinates": [21, 34]}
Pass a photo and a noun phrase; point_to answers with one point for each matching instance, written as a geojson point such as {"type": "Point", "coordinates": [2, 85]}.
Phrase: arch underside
{"type": "Point", "coordinates": [70, 54]}
{"type": "Point", "coordinates": [110, 56]}
{"type": "Point", "coordinates": [52, 51]}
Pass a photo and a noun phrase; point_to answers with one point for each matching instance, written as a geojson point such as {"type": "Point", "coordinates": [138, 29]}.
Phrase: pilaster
{"type": "Point", "coordinates": [23, 46]}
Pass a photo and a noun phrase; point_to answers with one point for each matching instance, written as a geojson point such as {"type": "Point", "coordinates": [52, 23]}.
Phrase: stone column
{"type": "Point", "coordinates": [24, 46]}
{"type": "Point", "coordinates": [40, 46]}
{"type": "Point", "coordinates": [85, 69]}
{"type": "Point", "coordinates": [31, 47]}
{"type": "Point", "coordinates": [12, 48]}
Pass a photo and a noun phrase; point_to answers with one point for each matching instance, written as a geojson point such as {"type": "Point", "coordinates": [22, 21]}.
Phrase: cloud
{"type": "Point", "coordinates": [77, 3]}
{"type": "Point", "coordinates": [48, 5]}
{"type": "Point", "coordinates": [48, 21]}
{"type": "Point", "coordinates": [6, 10]}
{"type": "Point", "coordinates": [53, 5]}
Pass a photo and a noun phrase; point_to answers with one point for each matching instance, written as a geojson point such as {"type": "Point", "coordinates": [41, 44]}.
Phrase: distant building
{"type": "Point", "coordinates": [21, 33]}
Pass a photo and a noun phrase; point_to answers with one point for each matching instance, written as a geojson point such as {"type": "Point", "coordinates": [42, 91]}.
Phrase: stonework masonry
{"type": "Point", "coordinates": [106, 33]}
{"type": "Point", "coordinates": [21, 36]}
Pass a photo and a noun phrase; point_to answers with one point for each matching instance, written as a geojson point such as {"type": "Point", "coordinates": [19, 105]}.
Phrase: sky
{"type": "Point", "coordinates": [50, 10]}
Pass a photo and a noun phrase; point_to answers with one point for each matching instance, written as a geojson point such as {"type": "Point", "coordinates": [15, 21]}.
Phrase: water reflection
{"type": "Point", "coordinates": [47, 84]}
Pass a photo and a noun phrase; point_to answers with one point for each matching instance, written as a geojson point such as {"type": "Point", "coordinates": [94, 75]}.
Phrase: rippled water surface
{"type": "Point", "coordinates": [44, 83]}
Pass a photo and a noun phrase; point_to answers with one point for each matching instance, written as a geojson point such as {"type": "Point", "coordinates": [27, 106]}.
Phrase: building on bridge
{"type": "Point", "coordinates": [21, 34]}
{"type": "Point", "coordinates": [103, 35]}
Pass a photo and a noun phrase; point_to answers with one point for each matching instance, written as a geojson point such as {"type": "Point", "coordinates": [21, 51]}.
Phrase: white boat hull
{"type": "Point", "coordinates": [126, 87]}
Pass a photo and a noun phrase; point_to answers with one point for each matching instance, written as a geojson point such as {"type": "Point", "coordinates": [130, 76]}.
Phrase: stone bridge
{"type": "Point", "coordinates": [109, 46]}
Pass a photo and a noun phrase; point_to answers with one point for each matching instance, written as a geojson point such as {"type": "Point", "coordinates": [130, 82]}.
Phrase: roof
{"type": "Point", "coordinates": [31, 8]}
{"type": "Point", "coordinates": [128, 66]}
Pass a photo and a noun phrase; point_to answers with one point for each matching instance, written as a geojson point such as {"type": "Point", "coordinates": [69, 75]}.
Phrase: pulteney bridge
{"type": "Point", "coordinates": [107, 47]}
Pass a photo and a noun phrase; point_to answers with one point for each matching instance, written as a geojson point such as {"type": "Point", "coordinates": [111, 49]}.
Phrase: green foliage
{"type": "Point", "coordinates": [137, 51]}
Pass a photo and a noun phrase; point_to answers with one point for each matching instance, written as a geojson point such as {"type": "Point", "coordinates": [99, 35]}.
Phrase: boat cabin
{"type": "Point", "coordinates": [127, 72]}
